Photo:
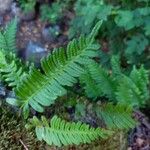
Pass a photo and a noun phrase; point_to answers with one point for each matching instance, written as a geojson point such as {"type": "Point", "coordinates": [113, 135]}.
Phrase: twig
{"type": "Point", "coordinates": [26, 148]}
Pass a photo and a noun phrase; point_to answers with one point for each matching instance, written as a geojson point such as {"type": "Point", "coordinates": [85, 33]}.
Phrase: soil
{"type": "Point", "coordinates": [139, 138]}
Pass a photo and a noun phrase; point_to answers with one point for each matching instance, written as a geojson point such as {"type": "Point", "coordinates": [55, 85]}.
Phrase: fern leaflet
{"type": "Point", "coordinates": [60, 132]}
{"type": "Point", "coordinates": [8, 37]}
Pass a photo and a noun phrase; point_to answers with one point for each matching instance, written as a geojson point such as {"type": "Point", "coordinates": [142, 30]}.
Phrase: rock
{"type": "Point", "coordinates": [34, 52]}
{"type": "Point", "coordinates": [139, 142]}
{"type": "Point", "coordinates": [1, 20]}
{"type": "Point", "coordinates": [2, 91]}
{"type": "Point", "coordinates": [5, 5]}
{"type": "Point", "coordinates": [50, 33]}
{"type": "Point", "coordinates": [17, 12]}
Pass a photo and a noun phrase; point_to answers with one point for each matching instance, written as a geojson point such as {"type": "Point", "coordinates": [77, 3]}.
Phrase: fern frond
{"type": "Point", "coordinates": [140, 78]}
{"type": "Point", "coordinates": [91, 88]}
{"type": "Point", "coordinates": [115, 64]}
{"type": "Point", "coordinates": [8, 37]}
{"type": "Point", "coordinates": [61, 68]}
{"type": "Point", "coordinates": [94, 32]}
{"type": "Point", "coordinates": [10, 72]}
{"type": "Point", "coordinates": [60, 132]}
{"type": "Point", "coordinates": [128, 92]}
{"type": "Point", "coordinates": [103, 79]}
{"type": "Point", "coordinates": [116, 116]}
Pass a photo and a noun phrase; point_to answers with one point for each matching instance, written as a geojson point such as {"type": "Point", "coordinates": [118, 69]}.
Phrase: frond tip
{"type": "Point", "coordinates": [60, 132]}
{"type": "Point", "coordinates": [8, 37]}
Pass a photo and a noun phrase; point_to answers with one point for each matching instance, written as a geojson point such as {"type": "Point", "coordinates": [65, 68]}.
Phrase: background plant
{"type": "Point", "coordinates": [125, 30]}
{"type": "Point", "coordinates": [27, 5]}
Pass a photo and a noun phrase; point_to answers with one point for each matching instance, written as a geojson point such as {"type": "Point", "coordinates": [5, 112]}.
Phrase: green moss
{"type": "Point", "coordinates": [13, 132]}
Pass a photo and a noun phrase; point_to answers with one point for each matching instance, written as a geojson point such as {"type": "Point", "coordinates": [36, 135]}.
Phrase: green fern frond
{"type": "Point", "coordinates": [10, 72]}
{"type": "Point", "coordinates": [61, 68]}
{"type": "Point", "coordinates": [103, 79]}
{"type": "Point", "coordinates": [60, 132]}
{"type": "Point", "coordinates": [128, 92]}
{"type": "Point", "coordinates": [94, 32]}
{"type": "Point", "coordinates": [116, 116]}
{"type": "Point", "coordinates": [91, 88]}
{"type": "Point", "coordinates": [140, 78]}
{"type": "Point", "coordinates": [115, 64]}
{"type": "Point", "coordinates": [8, 37]}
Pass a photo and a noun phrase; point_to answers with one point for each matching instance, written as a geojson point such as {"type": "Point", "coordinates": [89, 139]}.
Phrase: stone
{"type": "Point", "coordinates": [139, 142]}
{"type": "Point", "coordinates": [34, 52]}
{"type": "Point", "coordinates": [5, 5]}
{"type": "Point", "coordinates": [50, 33]}
{"type": "Point", "coordinates": [2, 91]}
{"type": "Point", "coordinates": [15, 10]}
{"type": "Point", "coordinates": [1, 20]}
{"type": "Point", "coordinates": [18, 12]}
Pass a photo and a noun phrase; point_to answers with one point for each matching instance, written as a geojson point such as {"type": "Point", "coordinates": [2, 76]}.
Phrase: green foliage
{"type": "Point", "coordinates": [10, 72]}
{"type": "Point", "coordinates": [118, 87]}
{"type": "Point", "coordinates": [61, 68]}
{"type": "Point", "coordinates": [102, 81]}
{"type": "Point", "coordinates": [87, 18]}
{"type": "Point", "coordinates": [60, 132]}
{"type": "Point", "coordinates": [27, 5]}
{"type": "Point", "coordinates": [51, 13]}
{"type": "Point", "coordinates": [125, 29]}
{"type": "Point", "coordinates": [135, 47]}
{"type": "Point", "coordinates": [8, 37]}
{"type": "Point", "coordinates": [91, 88]}
{"type": "Point", "coordinates": [135, 86]}
{"type": "Point", "coordinates": [116, 116]}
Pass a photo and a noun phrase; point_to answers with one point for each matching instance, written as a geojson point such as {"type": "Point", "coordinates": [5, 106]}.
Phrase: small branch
{"type": "Point", "coordinates": [26, 148]}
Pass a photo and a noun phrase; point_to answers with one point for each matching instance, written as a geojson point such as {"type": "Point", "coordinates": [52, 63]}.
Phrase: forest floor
{"type": "Point", "coordinates": [31, 32]}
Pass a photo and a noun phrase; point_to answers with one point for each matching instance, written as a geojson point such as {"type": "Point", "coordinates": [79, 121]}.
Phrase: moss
{"type": "Point", "coordinates": [13, 132]}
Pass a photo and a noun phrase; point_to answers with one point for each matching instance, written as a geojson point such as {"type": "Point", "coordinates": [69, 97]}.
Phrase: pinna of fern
{"type": "Point", "coordinates": [8, 37]}
{"type": "Point", "coordinates": [11, 71]}
{"type": "Point", "coordinates": [60, 132]}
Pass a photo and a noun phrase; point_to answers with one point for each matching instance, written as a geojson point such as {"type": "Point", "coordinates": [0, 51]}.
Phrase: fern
{"type": "Point", "coordinates": [103, 80]}
{"type": "Point", "coordinates": [140, 78]}
{"type": "Point", "coordinates": [126, 89]}
{"type": "Point", "coordinates": [115, 64]}
{"type": "Point", "coordinates": [60, 132]}
{"type": "Point", "coordinates": [8, 37]}
{"type": "Point", "coordinates": [116, 116]}
{"type": "Point", "coordinates": [60, 69]}
{"type": "Point", "coordinates": [10, 72]}
{"type": "Point", "coordinates": [91, 88]}
{"type": "Point", "coordinates": [127, 92]}
{"type": "Point", "coordinates": [133, 90]}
